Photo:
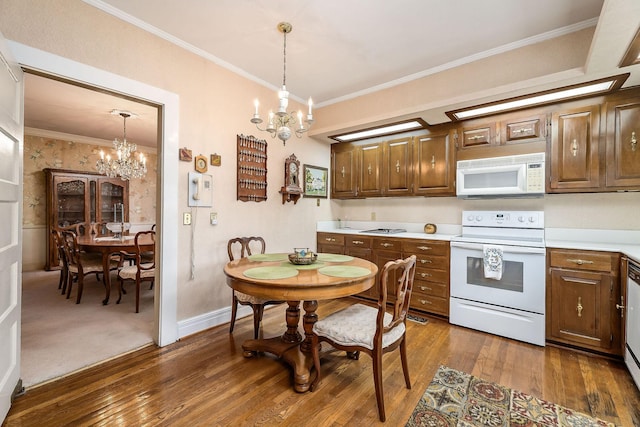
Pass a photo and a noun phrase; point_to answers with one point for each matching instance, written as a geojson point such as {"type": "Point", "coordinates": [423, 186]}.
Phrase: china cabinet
{"type": "Point", "coordinates": [583, 292]}
{"type": "Point", "coordinates": [74, 197]}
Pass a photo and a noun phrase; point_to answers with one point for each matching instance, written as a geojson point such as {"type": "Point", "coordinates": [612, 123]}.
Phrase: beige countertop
{"type": "Point", "coordinates": [623, 241]}
{"type": "Point", "coordinates": [414, 230]}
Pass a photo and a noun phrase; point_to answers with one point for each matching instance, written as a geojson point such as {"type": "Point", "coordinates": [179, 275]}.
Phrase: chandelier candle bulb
{"type": "Point", "coordinates": [310, 105]}
{"type": "Point", "coordinates": [256, 103]}
{"type": "Point", "coordinates": [300, 120]}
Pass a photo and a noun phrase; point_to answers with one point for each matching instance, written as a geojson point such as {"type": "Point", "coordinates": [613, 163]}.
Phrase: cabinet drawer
{"type": "Point", "coordinates": [431, 247]}
{"type": "Point", "coordinates": [431, 262]}
{"type": "Point", "coordinates": [430, 304]}
{"type": "Point", "coordinates": [358, 242]}
{"type": "Point", "coordinates": [386, 244]}
{"type": "Point", "coordinates": [476, 137]}
{"type": "Point", "coordinates": [432, 275]}
{"type": "Point", "coordinates": [331, 239]}
{"type": "Point", "coordinates": [524, 130]}
{"type": "Point", "coordinates": [583, 260]}
{"type": "Point", "coordinates": [423, 288]}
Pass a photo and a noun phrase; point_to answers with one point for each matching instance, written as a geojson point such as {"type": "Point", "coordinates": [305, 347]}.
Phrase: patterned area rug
{"type": "Point", "coordinates": [455, 398]}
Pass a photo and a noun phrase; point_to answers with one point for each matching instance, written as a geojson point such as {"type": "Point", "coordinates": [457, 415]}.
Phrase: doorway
{"type": "Point", "coordinates": [165, 329]}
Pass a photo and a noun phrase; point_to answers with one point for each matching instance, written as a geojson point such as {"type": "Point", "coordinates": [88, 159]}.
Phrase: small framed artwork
{"type": "Point", "coordinates": [216, 160]}
{"type": "Point", "coordinates": [315, 181]}
{"type": "Point", "coordinates": [186, 155]}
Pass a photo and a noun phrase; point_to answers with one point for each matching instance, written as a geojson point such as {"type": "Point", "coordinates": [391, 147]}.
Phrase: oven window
{"type": "Point", "coordinates": [491, 180]}
{"type": "Point", "coordinates": [512, 275]}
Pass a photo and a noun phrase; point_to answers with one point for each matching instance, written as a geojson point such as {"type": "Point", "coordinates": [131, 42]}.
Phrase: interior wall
{"type": "Point", "coordinates": [215, 106]}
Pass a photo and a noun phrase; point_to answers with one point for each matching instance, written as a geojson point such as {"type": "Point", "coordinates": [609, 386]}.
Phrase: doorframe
{"type": "Point", "coordinates": [165, 307]}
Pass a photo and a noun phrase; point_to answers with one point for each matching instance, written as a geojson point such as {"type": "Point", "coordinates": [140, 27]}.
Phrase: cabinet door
{"type": "Point", "coordinates": [343, 171]}
{"type": "Point", "coordinates": [524, 129]}
{"type": "Point", "coordinates": [434, 168]}
{"type": "Point", "coordinates": [623, 150]}
{"type": "Point", "coordinates": [481, 135]}
{"type": "Point", "coordinates": [397, 168]}
{"type": "Point", "coordinates": [574, 150]}
{"type": "Point", "coordinates": [580, 311]}
{"type": "Point", "coordinates": [369, 176]}
{"type": "Point", "coordinates": [111, 192]}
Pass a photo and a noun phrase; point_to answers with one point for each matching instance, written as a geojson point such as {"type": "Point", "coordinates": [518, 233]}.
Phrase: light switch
{"type": "Point", "coordinates": [214, 218]}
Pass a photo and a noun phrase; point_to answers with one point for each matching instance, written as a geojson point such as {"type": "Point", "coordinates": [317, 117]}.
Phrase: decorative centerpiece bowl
{"type": "Point", "coordinates": [118, 227]}
{"type": "Point", "coordinates": [302, 256]}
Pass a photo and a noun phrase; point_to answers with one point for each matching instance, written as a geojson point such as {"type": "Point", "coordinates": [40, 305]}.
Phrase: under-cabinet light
{"type": "Point", "coordinates": [540, 98]}
{"type": "Point", "coordinates": [390, 129]}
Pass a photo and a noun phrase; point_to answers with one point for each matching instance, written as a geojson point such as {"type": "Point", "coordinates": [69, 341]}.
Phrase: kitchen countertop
{"type": "Point", "coordinates": [623, 241]}
{"type": "Point", "coordinates": [414, 230]}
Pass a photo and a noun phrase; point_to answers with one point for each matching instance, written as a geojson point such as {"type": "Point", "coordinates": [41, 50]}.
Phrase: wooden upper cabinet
{"type": "Point", "coordinates": [434, 164]}
{"type": "Point", "coordinates": [343, 171]}
{"type": "Point", "coordinates": [523, 129]}
{"type": "Point", "coordinates": [574, 150]}
{"type": "Point", "coordinates": [480, 135]}
{"type": "Point", "coordinates": [369, 174]}
{"type": "Point", "coordinates": [397, 168]}
{"type": "Point", "coordinates": [622, 144]}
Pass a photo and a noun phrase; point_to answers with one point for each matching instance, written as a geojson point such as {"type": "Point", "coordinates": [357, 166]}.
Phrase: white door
{"type": "Point", "coordinates": [11, 148]}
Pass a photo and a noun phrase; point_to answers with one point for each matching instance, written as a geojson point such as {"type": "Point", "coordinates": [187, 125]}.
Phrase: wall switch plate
{"type": "Point", "coordinates": [186, 218]}
{"type": "Point", "coordinates": [214, 218]}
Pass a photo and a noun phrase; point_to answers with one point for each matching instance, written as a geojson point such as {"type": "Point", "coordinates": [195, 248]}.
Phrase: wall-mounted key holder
{"type": "Point", "coordinates": [252, 169]}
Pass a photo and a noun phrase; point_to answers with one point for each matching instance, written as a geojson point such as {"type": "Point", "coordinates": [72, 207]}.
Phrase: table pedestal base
{"type": "Point", "coordinates": [290, 347]}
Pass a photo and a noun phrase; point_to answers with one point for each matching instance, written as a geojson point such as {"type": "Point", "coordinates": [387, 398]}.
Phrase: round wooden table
{"type": "Point", "coordinates": [108, 245]}
{"type": "Point", "coordinates": [309, 285]}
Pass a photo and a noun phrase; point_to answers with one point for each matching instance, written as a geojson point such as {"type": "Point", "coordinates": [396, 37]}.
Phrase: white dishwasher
{"type": "Point", "coordinates": [632, 347]}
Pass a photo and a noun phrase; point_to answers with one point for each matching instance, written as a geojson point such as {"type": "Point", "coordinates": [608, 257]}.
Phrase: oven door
{"type": "Point", "coordinates": [522, 285]}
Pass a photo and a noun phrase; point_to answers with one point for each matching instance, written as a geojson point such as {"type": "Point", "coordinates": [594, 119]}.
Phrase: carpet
{"type": "Point", "coordinates": [455, 398]}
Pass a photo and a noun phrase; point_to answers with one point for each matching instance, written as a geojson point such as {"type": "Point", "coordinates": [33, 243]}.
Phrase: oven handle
{"type": "Point", "coordinates": [506, 249]}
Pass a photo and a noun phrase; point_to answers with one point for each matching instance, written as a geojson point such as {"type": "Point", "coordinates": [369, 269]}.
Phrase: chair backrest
{"type": "Point", "coordinates": [57, 240]}
{"type": "Point", "coordinates": [80, 228]}
{"type": "Point", "coordinates": [149, 263]}
{"type": "Point", "coordinates": [406, 270]}
{"type": "Point", "coordinates": [70, 247]}
{"type": "Point", "coordinates": [241, 247]}
{"type": "Point", "coordinates": [99, 229]}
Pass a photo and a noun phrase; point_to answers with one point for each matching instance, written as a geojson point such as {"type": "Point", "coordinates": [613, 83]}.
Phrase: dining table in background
{"type": "Point", "coordinates": [108, 245]}
{"type": "Point", "coordinates": [273, 277]}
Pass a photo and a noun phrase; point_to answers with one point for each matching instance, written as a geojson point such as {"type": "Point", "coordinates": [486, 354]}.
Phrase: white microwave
{"type": "Point", "coordinates": [508, 176]}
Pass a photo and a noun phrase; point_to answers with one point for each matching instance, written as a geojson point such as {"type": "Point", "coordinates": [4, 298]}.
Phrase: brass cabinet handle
{"type": "Point", "coordinates": [579, 261]}
{"type": "Point", "coordinates": [357, 242]}
{"type": "Point", "coordinates": [369, 169]}
{"type": "Point", "coordinates": [473, 138]}
{"type": "Point", "coordinates": [425, 302]}
{"type": "Point", "coordinates": [423, 275]}
{"type": "Point", "coordinates": [574, 148]}
{"type": "Point", "coordinates": [425, 288]}
{"type": "Point", "coordinates": [433, 162]}
{"type": "Point", "coordinates": [397, 166]}
{"type": "Point", "coordinates": [425, 248]}
{"type": "Point", "coordinates": [342, 171]}
{"type": "Point", "coordinates": [426, 261]}
{"type": "Point", "coordinates": [621, 307]}
{"type": "Point", "coordinates": [386, 245]}
{"type": "Point", "coordinates": [634, 141]}
{"type": "Point", "coordinates": [579, 307]}
{"type": "Point", "coordinates": [329, 239]}
{"type": "Point", "coordinates": [523, 130]}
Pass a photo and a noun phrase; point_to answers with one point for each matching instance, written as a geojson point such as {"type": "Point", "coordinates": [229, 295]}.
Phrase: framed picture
{"type": "Point", "coordinates": [315, 181]}
{"type": "Point", "coordinates": [185, 155]}
{"type": "Point", "coordinates": [216, 160]}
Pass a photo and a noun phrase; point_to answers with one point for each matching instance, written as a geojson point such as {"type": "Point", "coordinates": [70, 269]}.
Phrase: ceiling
{"type": "Point", "coordinates": [337, 49]}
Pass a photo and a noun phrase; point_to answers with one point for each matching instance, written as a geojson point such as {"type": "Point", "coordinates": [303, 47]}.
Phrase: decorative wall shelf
{"type": "Point", "coordinates": [252, 169]}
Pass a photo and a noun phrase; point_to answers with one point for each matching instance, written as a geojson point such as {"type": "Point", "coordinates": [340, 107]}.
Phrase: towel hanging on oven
{"type": "Point", "coordinates": [492, 256]}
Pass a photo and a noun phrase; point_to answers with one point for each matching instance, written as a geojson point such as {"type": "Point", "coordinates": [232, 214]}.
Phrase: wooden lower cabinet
{"type": "Point", "coordinates": [583, 288]}
{"type": "Point", "coordinates": [431, 283]}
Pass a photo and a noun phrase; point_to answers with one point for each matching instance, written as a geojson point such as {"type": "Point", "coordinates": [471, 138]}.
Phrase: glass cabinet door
{"type": "Point", "coordinates": [70, 197]}
{"type": "Point", "coordinates": [112, 192]}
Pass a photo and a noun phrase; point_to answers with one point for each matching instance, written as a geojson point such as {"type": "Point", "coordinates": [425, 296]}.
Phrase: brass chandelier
{"type": "Point", "coordinates": [126, 166]}
{"type": "Point", "coordinates": [282, 123]}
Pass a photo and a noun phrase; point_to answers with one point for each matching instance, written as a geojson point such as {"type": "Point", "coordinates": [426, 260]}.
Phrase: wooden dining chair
{"type": "Point", "coordinates": [62, 260]}
{"type": "Point", "coordinates": [81, 263]}
{"type": "Point", "coordinates": [371, 330]}
{"type": "Point", "coordinates": [143, 270]}
{"type": "Point", "coordinates": [241, 247]}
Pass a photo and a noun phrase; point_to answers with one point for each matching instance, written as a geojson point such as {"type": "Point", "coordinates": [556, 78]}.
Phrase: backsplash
{"type": "Point", "coordinates": [41, 153]}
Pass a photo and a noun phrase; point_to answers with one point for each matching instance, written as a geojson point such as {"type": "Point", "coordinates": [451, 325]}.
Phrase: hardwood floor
{"type": "Point", "coordinates": [204, 380]}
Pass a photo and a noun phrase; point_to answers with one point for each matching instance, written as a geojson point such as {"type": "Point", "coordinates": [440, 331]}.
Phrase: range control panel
{"type": "Point", "coordinates": [510, 219]}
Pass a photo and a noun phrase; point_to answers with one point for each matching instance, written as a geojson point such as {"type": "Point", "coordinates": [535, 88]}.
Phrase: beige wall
{"type": "Point", "coordinates": [215, 106]}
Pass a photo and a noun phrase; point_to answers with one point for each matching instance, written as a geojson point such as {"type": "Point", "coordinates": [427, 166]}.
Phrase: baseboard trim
{"type": "Point", "coordinates": [209, 320]}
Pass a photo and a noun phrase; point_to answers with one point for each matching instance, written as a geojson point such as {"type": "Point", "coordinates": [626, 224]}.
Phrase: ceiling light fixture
{"type": "Point", "coordinates": [125, 166]}
{"type": "Point", "coordinates": [282, 123]}
{"type": "Point", "coordinates": [601, 86]}
{"type": "Point", "coordinates": [390, 129]}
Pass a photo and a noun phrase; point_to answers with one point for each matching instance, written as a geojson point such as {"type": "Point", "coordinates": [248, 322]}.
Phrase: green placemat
{"type": "Point", "coordinates": [303, 267]}
{"type": "Point", "coordinates": [334, 258]}
{"type": "Point", "coordinates": [270, 273]}
{"type": "Point", "coordinates": [268, 257]}
{"type": "Point", "coordinates": [344, 271]}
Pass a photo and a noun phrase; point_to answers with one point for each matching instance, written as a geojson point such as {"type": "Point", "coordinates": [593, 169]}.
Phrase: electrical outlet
{"type": "Point", "coordinates": [213, 217]}
{"type": "Point", "coordinates": [186, 218]}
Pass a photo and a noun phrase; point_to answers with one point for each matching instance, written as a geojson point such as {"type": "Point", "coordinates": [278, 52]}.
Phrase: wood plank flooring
{"type": "Point", "coordinates": [204, 380]}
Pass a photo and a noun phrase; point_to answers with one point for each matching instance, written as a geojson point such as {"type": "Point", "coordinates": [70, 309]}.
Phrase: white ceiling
{"type": "Point", "coordinates": [337, 49]}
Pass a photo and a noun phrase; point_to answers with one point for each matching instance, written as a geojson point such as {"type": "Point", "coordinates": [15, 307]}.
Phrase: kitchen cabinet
{"type": "Point", "coordinates": [431, 284]}
{"type": "Point", "coordinates": [478, 135]}
{"type": "Point", "coordinates": [521, 129]}
{"type": "Point", "coordinates": [574, 151]}
{"type": "Point", "coordinates": [73, 197]}
{"type": "Point", "coordinates": [622, 150]}
{"type": "Point", "coordinates": [434, 164]}
{"type": "Point", "coordinates": [583, 288]}
{"type": "Point", "coordinates": [343, 171]}
{"type": "Point", "coordinates": [369, 167]}
{"type": "Point", "coordinates": [397, 167]}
